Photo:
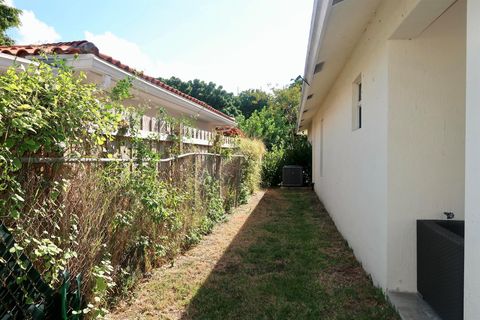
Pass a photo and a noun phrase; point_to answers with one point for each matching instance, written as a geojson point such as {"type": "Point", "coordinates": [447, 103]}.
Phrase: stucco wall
{"type": "Point", "coordinates": [151, 105]}
{"type": "Point", "coordinates": [426, 138]}
{"type": "Point", "coordinates": [406, 162]}
{"type": "Point", "coordinates": [353, 186]}
{"type": "Point", "coordinates": [472, 183]}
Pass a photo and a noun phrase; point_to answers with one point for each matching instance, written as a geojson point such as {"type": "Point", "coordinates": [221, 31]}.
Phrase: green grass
{"type": "Point", "coordinates": [289, 262]}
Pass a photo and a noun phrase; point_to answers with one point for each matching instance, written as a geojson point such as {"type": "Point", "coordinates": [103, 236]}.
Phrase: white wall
{"type": "Point", "coordinates": [354, 182]}
{"type": "Point", "coordinates": [426, 138]}
{"type": "Point", "coordinates": [151, 105]}
{"type": "Point", "coordinates": [472, 170]}
{"type": "Point", "coordinates": [374, 191]}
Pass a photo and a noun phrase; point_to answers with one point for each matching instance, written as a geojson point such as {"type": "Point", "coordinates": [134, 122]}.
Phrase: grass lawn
{"type": "Point", "coordinates": [284, 260]}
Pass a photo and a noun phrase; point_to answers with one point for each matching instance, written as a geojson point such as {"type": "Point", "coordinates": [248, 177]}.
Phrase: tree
{"type": "Point", "coordinates": [209, 93]}
{"type": "Point", "coordinates": [9, 17]}
{"type": "Point", "coordinates": [275, 124]}
{"type": "Point", "coordinates": [251, 100]}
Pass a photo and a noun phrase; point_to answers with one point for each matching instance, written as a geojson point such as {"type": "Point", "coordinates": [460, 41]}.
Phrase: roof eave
{"type": "Point", "coordinates": [321, 11]}
{"type": "Point", "coordinates": [90, 62]}
{"type": "Point", "coordinates": [8, 60]}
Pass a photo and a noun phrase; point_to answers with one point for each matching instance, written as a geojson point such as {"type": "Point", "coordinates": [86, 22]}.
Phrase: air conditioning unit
{"type": "Point", "coordinates": [292, 176]}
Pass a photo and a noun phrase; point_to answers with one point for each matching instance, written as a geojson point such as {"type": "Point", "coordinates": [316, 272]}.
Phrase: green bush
{"type": "Point", "coordinates": [253, 151]}
{"type": "Point", "coordinates": [272, 167]}
{"type": "Point", "coordinates": [113, 222]}
{"type": "Point", "coordinates": [299, 152]}
{"type": "Point", "coordinates": [275, 125]}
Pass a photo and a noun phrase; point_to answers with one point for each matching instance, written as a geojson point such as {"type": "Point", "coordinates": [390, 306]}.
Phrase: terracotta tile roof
{"type": "Point", "coordinates": [83, 47]}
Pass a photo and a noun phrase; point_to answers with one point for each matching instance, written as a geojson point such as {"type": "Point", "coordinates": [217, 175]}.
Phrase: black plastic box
{"type": "Point", "coordinates": [440, 266]}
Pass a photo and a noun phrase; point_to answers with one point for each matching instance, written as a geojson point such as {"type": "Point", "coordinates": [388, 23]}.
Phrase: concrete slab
{"type": "Point", "coordinates": [411, 306]}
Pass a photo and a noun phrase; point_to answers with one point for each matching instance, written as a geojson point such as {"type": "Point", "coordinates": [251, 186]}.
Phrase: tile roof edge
{"type": "Point", "coordinates": [86, 47]}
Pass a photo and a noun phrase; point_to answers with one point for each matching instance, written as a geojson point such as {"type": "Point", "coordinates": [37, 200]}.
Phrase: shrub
{"type": "Point", "coordinates": [253, 151]}
{"type": "Point", "coordinates": [272, 165]}
{"type": "Point", "coordinates": [299, 152]}
{"type": "Point", "coordinates": [112, 222]}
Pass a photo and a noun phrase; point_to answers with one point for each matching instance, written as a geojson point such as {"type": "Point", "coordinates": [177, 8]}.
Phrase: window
{"type": "Point", "coordinates": [322, 141]}
{"type": "Point", "coordinates": [357, 104]}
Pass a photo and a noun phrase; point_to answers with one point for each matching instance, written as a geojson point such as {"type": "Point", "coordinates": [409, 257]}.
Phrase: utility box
{"type": "Point", "coordinates": [292, 176]}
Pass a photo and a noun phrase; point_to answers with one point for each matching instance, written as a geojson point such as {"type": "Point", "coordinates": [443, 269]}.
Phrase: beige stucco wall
{"type": "Point", "coordinates": [407, 160]}
{"type": "Point", "coordinates": [353, 186]}
{"type": "Point", "coordinates": [151, 105]}
{"type": "Point", "coordinates": [426, 136]}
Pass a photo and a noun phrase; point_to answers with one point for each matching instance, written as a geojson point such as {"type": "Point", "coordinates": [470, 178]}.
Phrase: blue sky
{"type": "Point", "coordinates": [238, 44]}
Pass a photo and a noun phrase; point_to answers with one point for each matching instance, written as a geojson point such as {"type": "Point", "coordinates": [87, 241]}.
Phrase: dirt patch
{"type": "Point", "coordinates": [166, 293]}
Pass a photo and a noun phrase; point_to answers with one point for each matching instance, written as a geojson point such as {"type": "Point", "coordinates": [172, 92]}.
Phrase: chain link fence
{"type": "Point", "coordinates": [92, 217]}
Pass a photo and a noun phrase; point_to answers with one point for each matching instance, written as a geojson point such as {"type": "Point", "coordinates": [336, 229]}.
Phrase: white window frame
{"type": "Point", "coordinates": [357, 105]}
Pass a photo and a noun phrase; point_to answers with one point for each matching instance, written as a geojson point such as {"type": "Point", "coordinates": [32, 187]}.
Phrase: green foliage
{"type": "Point", "coordinates": [239, 106]}
{"type": "Point", "coordinates": [121, 91]}
{"type": "Point", "coordinates": [9, 17]}
{"type": "Point", "coordinates": [253, 151]}
{"type": "Point", "coordinates": [103, 282]}
{"type": "Point", "coordinates": [252, 100]}
{"type": "Point", "coordinates": [215, 211]}
{"type": "Point", "coordinates": [299, 152]}
{"type": "Point", "coordinates": [47, 111]}
{"type": "Point", "coordinates": [209, 93]}
{"type": "Point", "coordinates": [275, 124]}
{"type": "Point", "coordinates": [272, 165]}
{"type": "Point", "coordinates": [111, 223]}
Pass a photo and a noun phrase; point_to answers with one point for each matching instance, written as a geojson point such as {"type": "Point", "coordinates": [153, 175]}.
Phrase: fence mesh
{"type": "Point", "coordinates": [24, 294]}
{"type": "Point", "coordinates": [77, 215]}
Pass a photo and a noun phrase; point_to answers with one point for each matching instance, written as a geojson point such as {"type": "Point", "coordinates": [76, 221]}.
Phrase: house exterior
{"type": "Point", "coordinates": [391, 105]}
{"type": "Point", "coordinates": [149, 94]}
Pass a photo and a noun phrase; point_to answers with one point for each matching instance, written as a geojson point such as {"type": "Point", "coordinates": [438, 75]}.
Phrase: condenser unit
{"type": "Point", "coordinates": [292, 176]}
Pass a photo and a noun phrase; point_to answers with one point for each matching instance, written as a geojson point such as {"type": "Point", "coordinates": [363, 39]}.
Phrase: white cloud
{"type": "Point", "coordinates": [131, 54]}
{"type": "Point", "coordinates": [32, 30]}
{"type": "Point", "coordinates": [269, 57]}
{"type": "Point", "coordinates": [121, 49]}
{"type": "Point", "coordinates": [220, 70]}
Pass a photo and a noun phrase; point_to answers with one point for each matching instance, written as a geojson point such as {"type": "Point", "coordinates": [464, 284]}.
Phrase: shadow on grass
{"type": "Point", "coordinates": [288, 262]}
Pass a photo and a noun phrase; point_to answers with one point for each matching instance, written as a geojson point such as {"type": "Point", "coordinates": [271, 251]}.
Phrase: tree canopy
{"type": "Point", "coordinates": [207, 92]}
{"type": "Point", "coordinates": [275, 124]}
{"type": "Point", "coordinates": [251, 100]}
{"type": "Point", "coordinates": [9, 17]}
{"type": "Point", "coordinates": [243, 104]}
{"type": "Point", "coordinates": [268, 116]}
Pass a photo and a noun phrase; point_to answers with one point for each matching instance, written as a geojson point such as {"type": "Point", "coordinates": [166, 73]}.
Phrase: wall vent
{"type": "Point", "coordinates": [318, 67]}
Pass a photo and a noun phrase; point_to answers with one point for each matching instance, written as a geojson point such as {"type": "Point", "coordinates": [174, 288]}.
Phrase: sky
{"type": "Point", "coordinates": [240, 44]}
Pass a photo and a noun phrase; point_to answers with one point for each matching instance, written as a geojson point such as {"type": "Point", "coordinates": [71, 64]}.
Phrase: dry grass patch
{"type": "Point", "coordinates": [285, 260]}
{"type": "Point", "coordinates": [168, 291]}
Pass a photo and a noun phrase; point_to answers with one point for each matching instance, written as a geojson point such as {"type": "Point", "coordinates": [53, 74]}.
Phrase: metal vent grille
{"type": "Point", "coordinates": [292, 176]}
{"type": "Point", "coordinates": [318, 67]}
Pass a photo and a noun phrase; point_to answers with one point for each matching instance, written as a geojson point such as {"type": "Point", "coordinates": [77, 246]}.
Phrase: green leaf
{"type": "Point", "coordinates": [17, 164]}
